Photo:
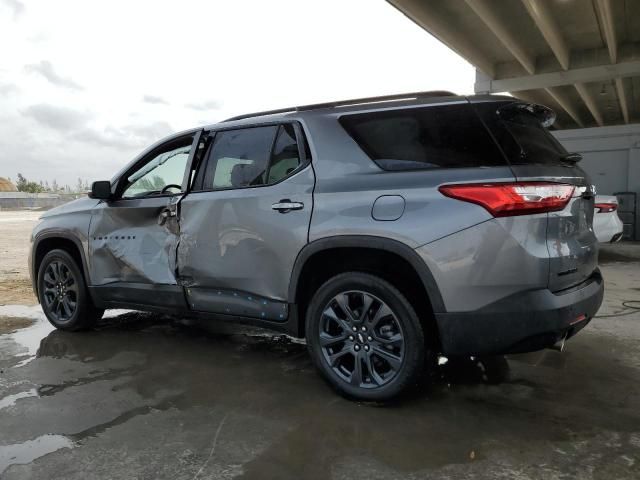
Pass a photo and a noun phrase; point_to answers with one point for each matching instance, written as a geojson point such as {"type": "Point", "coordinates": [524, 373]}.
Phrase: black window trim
{"type": "Point", "coordinates": [301, 141]}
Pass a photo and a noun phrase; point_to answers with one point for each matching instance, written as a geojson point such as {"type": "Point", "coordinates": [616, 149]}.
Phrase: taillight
{"type": "Point", "coordinates": [606, 207]}
{"type": "Point", "coordinates": [507, 199]}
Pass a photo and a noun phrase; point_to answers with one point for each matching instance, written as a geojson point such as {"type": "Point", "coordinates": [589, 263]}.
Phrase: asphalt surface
{"type": "Point", "coordinates": [147, 397]}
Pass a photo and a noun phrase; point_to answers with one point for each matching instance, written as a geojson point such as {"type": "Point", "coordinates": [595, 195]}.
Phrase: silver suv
{"type": "Point", "coordinates": [384, 230]}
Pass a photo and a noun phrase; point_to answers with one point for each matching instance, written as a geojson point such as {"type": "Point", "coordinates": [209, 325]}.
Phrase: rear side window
{"type": "Point", "coordinates": [250, 157]}
{"type": "Point", "coordinates": [446, 136]}
{"type": "Point", "coordinates": [286, 156]}
{"type": "Point", "coordinates": [239, 158]}
{"type": "Point", "coordinates": [521, 134]}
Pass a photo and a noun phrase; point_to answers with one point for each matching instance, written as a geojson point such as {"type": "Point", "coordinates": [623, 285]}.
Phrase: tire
{"type": "Point", "coordinates": [387, 343]}
{"type": "Point", "coordinates": [63, 293]}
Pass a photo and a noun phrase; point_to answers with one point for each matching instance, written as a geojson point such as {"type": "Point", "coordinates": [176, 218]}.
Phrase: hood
{"type": "Point", "coordinates": [78, 205]}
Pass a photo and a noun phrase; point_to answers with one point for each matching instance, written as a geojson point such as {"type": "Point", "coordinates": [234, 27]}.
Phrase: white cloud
{"type": "Point", "coordinates": [109, 74]}
{"type": "Point", "coordinates": [15, 6]}
{"type": "Point", "coordinates": [45, 69]}
{"type": "Point", "coordinates": [153, 99]}
{"type": "Point", "coordinates": [56, 117]}
{"type": "Point", "coordinates": [205, 105]}
{"type": "Point", "coordinates": [7, 88]}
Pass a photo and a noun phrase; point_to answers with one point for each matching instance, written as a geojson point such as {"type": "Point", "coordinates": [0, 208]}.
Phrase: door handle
{"type": "Point", "coordinates": [286, 205]}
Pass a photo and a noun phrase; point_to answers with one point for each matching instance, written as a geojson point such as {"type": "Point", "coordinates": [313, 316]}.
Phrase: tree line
{"type": "Point", "coordinates": [25, 185]}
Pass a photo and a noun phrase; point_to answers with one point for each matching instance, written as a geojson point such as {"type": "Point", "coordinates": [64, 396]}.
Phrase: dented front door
{"type": "Point", "coordinates": [134, 241]}
{"type": "Point", "coordinates": [133, 238]}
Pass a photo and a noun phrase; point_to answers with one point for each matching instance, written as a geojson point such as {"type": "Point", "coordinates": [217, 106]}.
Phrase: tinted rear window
{"type": "Point", "coordinates": [447, 136]}
{"type": "Point", "coordinates": [521, 134]}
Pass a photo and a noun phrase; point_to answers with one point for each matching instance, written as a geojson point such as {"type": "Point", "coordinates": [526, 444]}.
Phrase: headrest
{"type": "Point", "coordinates": [243, 174]}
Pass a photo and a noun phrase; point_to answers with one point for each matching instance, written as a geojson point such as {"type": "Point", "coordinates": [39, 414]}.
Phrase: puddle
{"type": "Point", "coordinates": [10, 400]}
{"type": "Point", "coordinates": [28, 339]}
{"type": "Point", "coordinates": [26, 452]}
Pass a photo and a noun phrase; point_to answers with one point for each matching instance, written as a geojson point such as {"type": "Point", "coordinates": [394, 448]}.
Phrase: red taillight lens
{"type": "Point", "coordinates": [606, 207]}
{"type": "Point", "coordinates": [507, 199]}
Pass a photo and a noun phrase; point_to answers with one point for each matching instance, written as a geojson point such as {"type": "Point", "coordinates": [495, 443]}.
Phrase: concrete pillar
{"type": "Point", "coordinates": [633, 181]}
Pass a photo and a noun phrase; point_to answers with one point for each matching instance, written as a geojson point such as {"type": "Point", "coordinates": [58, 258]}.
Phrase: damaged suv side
{"type": "Point", "coordinates": [383, 230]}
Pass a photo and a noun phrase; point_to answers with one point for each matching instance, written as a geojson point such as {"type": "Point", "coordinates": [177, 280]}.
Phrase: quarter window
{"type": "Point", "coordinates": [426, 137]}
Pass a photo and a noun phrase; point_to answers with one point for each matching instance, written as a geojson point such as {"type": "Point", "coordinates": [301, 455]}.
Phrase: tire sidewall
{"type": "Point", "coordinates": [405, 314]}
{"type": "Point", "coordinates": [77, 320]}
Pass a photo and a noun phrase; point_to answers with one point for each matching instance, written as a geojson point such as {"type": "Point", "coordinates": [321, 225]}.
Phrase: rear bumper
{"type": "Point", "coordinates": [523, 322]}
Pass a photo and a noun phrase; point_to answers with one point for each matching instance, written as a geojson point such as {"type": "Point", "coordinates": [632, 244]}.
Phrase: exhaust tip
{"type": "Point", "coordinates": [559, 346]}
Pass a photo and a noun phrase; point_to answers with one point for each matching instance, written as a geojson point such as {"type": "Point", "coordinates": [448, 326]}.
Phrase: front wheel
{"type": "Point", "coordinates": [365, 337]}
{"type": "Point", "coordinates": [63, 294]}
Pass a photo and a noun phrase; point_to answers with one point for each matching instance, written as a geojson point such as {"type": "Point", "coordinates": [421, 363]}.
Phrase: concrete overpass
{"type": "Point", "coordinates": [579, 57]}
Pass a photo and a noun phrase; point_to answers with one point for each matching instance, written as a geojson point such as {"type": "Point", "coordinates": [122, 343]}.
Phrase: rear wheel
{"type": "Point", "coordinates": [365, 337]}
{"type": "Point", "coordinates": [63, 294]}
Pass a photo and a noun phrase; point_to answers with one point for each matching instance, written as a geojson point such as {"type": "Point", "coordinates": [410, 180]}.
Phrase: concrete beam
{"type": "Point", "coordinates": [622, 98]}
{"type": "Point", "coordinates": [487, 12]}
{"type": "Point", "coordinates": [550, 30]}
{"type": "Point", "coordinates": [587, 98]}
{"type": "Point", "coordinates": [428, 17]}
{"type": "Point", "coordinates": [599, 73]}
{"type": "Point", "coordinates": [566, 104]}
{"type": "Point", "coordinates": [608, 27]}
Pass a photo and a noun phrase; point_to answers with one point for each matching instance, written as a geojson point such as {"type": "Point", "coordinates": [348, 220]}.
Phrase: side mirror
{"type": "Point", "coordinates": [100, 190]}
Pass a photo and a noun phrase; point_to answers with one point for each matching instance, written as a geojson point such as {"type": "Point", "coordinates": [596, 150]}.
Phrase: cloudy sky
{"type": "Point", "coordinates": [86, 85]}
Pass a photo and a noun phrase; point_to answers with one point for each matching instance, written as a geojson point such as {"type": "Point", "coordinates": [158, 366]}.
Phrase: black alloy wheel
{"type": "Point", "coordinates": [60, 293]}
{"type": "Point", "coordinates": [361, 339]}
{"type": "Point", "coordinates": [365, 337]}
{"type": "Point", "coordinates": [63, 294]}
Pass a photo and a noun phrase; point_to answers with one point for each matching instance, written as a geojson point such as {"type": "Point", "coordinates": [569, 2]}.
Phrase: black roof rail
{"type": "Point", "coordinates": [344, 103]}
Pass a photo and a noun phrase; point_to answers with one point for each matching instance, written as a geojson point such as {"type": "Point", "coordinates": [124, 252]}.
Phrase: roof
{"type": "Point", "coordinates": [357, 103]}
{"type": "Point", "coordinates": [582, 58]}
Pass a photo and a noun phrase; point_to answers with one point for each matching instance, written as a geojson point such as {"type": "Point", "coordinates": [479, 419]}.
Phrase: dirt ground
{"type": "Point", "coordinates": [15, 230]}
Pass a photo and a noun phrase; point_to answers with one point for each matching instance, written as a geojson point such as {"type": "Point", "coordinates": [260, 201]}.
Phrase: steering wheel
{"type": "Point", "coordinates": [171, 185]}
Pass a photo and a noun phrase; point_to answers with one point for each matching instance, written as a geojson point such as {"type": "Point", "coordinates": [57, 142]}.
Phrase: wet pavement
{"type": "Point", "coordinates": [146, 397]}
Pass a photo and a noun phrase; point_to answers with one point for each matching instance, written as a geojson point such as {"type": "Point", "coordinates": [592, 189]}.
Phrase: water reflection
{"type": "Point", "coordinates": [27, 452]}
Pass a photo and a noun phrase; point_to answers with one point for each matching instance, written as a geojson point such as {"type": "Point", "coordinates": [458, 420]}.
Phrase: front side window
{"type": "Point", "coordinates": [164, 169]}
{"type": "Point", "coordinates": [446, 136]}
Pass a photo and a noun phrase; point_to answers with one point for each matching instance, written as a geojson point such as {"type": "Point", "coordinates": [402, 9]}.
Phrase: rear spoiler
{"type": "Point", "coordinates": [545, 115]}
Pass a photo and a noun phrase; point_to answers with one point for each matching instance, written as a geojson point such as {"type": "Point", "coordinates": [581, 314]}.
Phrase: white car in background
{"type": "Point", "coordinates": [606, 223]}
